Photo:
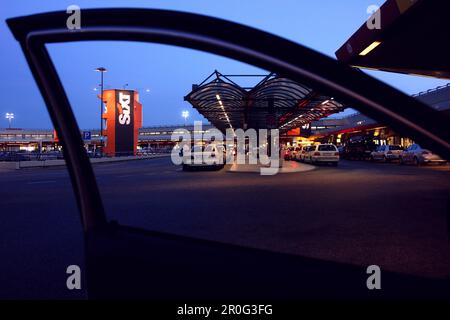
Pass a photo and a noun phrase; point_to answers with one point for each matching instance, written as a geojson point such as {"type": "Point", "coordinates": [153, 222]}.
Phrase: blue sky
{"type": "Point", "coordinates": [169, 72]}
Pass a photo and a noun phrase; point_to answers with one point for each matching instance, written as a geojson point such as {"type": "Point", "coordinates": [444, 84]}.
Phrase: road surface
{"type": "Point", "coordinates": [360, 213]}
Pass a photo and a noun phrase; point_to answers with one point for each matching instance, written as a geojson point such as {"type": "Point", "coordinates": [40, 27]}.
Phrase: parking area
{"type": "Point", "coordinates": [360, 213]}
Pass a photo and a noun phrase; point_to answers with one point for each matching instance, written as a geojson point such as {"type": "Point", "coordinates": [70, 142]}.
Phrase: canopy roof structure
{"type": "Point", "coordinates": [273, 103]}
{"type": "Point", "coordinates": [412, 38]}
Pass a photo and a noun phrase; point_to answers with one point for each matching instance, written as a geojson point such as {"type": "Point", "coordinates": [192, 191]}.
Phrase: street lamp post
{"type": "Point", "coordinates": [185, 115]}
{"type": "Point", "coordinates": [101, 70]}
{"type": "Point", "coordinates": [9, 116]}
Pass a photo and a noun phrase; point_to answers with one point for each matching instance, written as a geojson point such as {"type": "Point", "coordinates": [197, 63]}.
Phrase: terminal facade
{"type": "Point", "coordinates": [331, 130]}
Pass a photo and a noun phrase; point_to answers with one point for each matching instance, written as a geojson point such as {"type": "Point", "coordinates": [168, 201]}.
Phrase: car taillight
{"type": "Point", "coordinates": [336, 153]}
{"type": "Point", "coordinates": [317, 153]}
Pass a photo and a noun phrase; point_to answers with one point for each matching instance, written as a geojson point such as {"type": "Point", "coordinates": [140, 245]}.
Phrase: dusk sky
{"type": "Point", "coordinates": [168, 72]}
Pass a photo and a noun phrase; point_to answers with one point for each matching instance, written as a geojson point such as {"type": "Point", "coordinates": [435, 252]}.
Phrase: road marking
{"type": "Point", "coordinates": [41, 182]}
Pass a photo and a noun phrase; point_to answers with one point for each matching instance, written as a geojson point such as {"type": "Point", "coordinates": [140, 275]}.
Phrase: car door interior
{"type": "Point", "coordinates": [126, 262]}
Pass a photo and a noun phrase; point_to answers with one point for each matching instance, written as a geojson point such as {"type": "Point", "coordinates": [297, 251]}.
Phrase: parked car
{"type": "Point", "coordinates": [288, 153]}
{"type": "Point", "coordinates": [95, 154]}
{"type": "Point", "coordinates": [294, 152]}
{"type": "Point", "coordinates": [211, 156]}
{"type": "Point", "coordinates": [386, 153]}
{"type": "Point", "coordinates": [306, 153]}
{"type": "Point", "coordinates": [20, 155]}
{"type": "Point", "coordinates": [4, 156]}
{"type": "Point", "coordinates": [51, 155]}
{"type": "Point", "coordinates": [146, 151]}
{"type": "Point", "coordinates": [418, 156]}
{"type": "Point", "coordinates": [323, 153]}
{"type": "Point", "coordinates": [359, 148]}
{"type": "Point", "coordinates": [300, 155]}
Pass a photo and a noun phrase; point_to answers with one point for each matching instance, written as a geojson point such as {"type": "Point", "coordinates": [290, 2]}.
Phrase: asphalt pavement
{"type": "Point", "coordinates": [360, 213]}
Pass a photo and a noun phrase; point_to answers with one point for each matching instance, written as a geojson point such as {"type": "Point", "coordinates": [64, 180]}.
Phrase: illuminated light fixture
{"type": "Point", "coordinates": [100, 69]}
{"type": "Point", "coordinates": [322, 109]}
{"type": "Point", "coordinates": [370, 48]}
{"type": "Point", "coordinates": [185, 115]}
{"type": "Point", "coordinates": [289, 122]}
{"type": "Point", "coordinates": [9, 116]}
{"type": "Point", "coordinates": [225, 113]}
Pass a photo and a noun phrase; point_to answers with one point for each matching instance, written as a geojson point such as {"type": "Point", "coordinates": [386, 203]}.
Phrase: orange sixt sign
{"type": "Point", "coordinates": [124, 108]}
{"type": "Point", "coordinates": [123, 117]}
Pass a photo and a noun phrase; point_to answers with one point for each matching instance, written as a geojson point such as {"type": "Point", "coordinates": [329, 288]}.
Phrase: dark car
{"type": "Point", "coordinates": [16, 156]}
{"type": "Point", "coordinates": [3, 155]}
{"type": "Point", "coordinates": [95, 154]}
{"type": "Point", "coordinates": [359, 148]}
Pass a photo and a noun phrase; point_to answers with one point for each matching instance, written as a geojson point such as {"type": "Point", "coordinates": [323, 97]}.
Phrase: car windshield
{"type": "Point", "coordinates": [327, 147]}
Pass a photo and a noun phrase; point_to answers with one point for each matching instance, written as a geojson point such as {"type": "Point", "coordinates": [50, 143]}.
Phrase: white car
{"type": "Point", "coordinates": [295, 152]}
{"type": "Point", "coordinates": [322, 153]}
{"type": "Point", "coordinates": [210, 156]}
{"type": "Point", "coordinates": [416, 155]}
{"type": "Point", "coordinates": [300, 155]}
{"type": "Point", "coordinates": [306, 153]}
{"type": "Point", "coordinates": [386, 153]}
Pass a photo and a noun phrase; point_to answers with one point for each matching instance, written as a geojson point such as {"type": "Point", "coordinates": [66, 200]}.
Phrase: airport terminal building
{"type": "Point", "coordinates": [331, 130]}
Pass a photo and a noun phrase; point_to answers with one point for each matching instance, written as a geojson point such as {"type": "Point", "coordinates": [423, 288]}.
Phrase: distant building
{"type": "Point", "coordinates": [41, 139]}
{"type": "Point", "coordinates": [360, 125]}
{"type": "Point", "coordinates": [333, 130]}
